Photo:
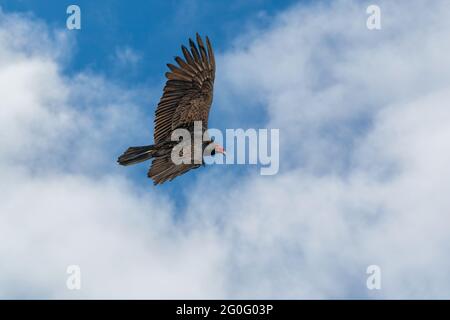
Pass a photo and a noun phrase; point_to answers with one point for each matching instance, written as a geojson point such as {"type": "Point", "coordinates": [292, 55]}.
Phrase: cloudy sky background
{"type": "Point", "coordinates": [364, 151]}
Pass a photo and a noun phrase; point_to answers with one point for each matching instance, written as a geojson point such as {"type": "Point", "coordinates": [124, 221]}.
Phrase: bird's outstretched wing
{"type": "Point", "coordinates": [187, 97]}
{"type": "Point", "coordinates": [188, 92]}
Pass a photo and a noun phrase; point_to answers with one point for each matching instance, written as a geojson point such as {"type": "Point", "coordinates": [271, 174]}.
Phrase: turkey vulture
{"type": "Point", "coordinates": [187, 98]}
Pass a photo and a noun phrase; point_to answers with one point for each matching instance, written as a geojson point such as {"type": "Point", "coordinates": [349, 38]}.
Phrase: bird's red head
{"type": "Point", "coordinates": [219, 149]}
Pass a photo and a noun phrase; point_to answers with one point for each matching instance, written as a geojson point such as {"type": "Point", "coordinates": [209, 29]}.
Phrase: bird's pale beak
{"type": "Point", "coordinates": [220, 149]}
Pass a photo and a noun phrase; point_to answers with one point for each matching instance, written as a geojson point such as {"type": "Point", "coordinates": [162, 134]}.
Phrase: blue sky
{"type": "Point", "coordinates": [364, 139]}
{"type": "Point", "coordinates": [154, 31]}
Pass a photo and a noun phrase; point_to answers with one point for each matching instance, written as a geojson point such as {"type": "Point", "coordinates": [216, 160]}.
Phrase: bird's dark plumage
{"type": "Point", "coordinates": [187, 97]}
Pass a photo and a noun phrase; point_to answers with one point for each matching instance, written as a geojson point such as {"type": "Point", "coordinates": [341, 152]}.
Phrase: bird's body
{"type": "Point", "coordinates": [187, 98]}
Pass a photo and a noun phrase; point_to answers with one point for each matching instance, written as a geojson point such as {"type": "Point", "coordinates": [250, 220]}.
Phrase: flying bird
{"type": "Point", "coordinates": [187, 98]}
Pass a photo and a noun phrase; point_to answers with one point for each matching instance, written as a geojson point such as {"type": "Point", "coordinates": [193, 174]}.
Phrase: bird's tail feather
{"type": "Point", "coordinates": [136, 154]}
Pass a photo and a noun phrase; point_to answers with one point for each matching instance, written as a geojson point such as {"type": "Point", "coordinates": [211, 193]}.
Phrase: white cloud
{"type": "Point", "coordinates": [60, 206]}
{"type": "Point", "coordinates": [362, 115]}
{"type": "Point", "coordinates": [363, 118]}
{"type": "Point", "coordinates": [126, 56]}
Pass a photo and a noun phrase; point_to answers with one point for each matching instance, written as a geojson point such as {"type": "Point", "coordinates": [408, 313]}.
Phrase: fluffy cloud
{"type": "Point", "coordinates": [61, 202]}
{"type": "Point", "coordinates": [363, 120]}
{"type": "Point", "coordinates": [364, 141]}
